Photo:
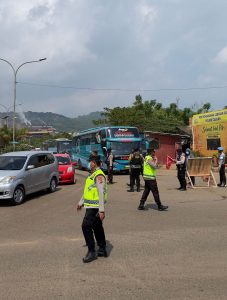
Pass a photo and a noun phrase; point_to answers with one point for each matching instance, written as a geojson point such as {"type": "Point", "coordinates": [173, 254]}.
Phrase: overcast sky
{"type": "Point", "coordinates": [101, 53]}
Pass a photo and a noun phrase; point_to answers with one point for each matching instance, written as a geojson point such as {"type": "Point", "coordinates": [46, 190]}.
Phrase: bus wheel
{"type": "Point", "coordinates": [79, 164]}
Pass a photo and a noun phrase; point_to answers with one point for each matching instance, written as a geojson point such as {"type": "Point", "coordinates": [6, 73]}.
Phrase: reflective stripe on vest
{"type": "Point", "coordinates": [91, 195]}
{"type": "Point", "coordinates": [149, 173]}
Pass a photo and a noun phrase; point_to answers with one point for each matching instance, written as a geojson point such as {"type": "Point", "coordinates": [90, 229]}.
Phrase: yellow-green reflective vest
{"type": "Point", "coordinates": [149, 172]}
{"type": "Point", "coordinates": [91, 195]}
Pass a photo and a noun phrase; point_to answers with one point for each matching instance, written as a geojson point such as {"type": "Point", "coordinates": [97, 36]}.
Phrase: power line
{"type": "Point", "coordinates": [121, 89]}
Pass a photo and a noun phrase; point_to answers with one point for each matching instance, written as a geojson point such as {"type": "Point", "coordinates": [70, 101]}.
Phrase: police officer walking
{"type": "Point", "coordinates": [93, 199]}
{"type": "Point", "coordinates": [149, 174]}
{"type": "Point", "coordinates": [181, 169]}
{"type": "Point", "coordinates": [136, 163]}
{"type": "Point", "coordinates": [221, 166]}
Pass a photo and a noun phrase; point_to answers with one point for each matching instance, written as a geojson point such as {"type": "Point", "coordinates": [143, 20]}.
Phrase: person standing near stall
{"type": "Point", "coordinates": [188, 155]}
{"type": "Point", "coordinates": [181, 169]}
{"type": "Point", "coordinates": [221, 167]}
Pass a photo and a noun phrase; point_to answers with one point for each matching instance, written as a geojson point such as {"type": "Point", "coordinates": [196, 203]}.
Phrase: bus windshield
{"type": "Point", "coordinates": [64, 146]}
{"type": "Point", "coordinates": [119, 148]}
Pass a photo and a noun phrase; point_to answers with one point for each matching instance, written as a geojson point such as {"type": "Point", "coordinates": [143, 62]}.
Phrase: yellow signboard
{"type": "Point", "coordinates": [210, 117]}
{"type": "Point", "coordinates": [209, 132]}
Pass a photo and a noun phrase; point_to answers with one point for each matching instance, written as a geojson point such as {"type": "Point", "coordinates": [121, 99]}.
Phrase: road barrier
{"type": "Point", "coordinates": [201, 167]}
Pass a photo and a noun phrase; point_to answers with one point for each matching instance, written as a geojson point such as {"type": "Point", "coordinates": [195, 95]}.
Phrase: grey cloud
{"type": "Point", "coordinates": [130, 44]}
{"type": "Point", "coordinates": [38, 11]}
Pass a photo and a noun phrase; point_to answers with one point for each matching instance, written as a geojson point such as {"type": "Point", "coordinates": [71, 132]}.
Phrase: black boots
{"type": "Point", "coordinates": [91, 255]}
{"type": "Point", "coordinates": [141, 206]}
{"type": "Point", "coordinates": [102, 252]}
{"type": "Point", "coordinates": [162, 207]}
{"type": "Point", "coordinates": [132, 190]}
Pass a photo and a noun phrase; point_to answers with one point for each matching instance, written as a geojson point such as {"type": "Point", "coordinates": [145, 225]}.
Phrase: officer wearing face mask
{"type": "Point", "coordinates": [93, 200]}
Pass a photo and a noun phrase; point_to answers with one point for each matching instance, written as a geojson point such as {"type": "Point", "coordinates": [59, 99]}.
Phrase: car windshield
{"type": "Point", "coordinates": [63, 160]}
{"type": "Point", "coordinates": [119, 148]}
{"type": "Point", "coordinates": [12, 162]}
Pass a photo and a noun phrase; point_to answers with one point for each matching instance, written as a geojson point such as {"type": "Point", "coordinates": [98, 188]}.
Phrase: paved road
{"type": "Point", "coordinates": [178, 254]}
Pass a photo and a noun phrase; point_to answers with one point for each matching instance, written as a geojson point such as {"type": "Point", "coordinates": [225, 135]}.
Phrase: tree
{"type": "Point", "coordinates": [205, 108]}
{"type": "Point", "coordinates": [150, 115]}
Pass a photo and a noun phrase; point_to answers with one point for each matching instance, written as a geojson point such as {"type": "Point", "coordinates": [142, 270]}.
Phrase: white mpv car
{"type": "Point", "coordinates": [26, 172]}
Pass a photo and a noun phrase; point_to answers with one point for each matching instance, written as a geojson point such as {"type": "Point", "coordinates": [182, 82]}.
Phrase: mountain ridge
{"type": "Point", "coordinates": [60, 122]}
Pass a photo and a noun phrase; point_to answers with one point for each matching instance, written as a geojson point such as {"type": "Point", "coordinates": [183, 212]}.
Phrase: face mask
{"type": "Point", "coordinates": [89, 166]}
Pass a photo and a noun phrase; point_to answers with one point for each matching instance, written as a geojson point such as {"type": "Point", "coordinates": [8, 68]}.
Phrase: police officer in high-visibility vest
{"type": "Point", "coordinates": [93, 199]}
{"type": "Point", "coordinates": [149, 175]}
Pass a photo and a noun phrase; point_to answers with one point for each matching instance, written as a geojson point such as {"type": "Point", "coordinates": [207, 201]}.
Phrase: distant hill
{"type": "Point", "coordinates": [60, 122]}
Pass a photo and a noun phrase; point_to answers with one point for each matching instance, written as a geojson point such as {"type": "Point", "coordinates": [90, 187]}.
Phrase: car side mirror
{"type": "Point", "coordinates": [30, 167]}
{"type": "Point", "coordinates": [74, 163]}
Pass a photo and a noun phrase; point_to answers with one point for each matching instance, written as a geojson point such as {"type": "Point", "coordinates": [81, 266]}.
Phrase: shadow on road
{"type": "Point", "coordinates": [109, 247]}
{"type": "Point", "coordinates": [34, 196]}
{"type": "Point", "coordinates": [152, 206]}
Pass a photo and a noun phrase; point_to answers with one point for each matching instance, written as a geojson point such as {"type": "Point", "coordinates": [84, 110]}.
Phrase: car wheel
{"type": "Point", "coordinates": [53, 185]}
{"type": "Point", "coordinates": [18, 196]}
{"type": "Point", "coordinates": [79, 164]}
{"type": "Point", "coordinates": [74, 178]}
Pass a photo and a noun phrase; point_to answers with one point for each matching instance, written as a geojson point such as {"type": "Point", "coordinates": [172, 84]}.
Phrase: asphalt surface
{"type": "Point", "coordinates": [177, 254]}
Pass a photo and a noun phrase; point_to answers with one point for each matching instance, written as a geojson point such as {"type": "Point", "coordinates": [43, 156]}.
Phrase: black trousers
{"type": "Point", "coordinates": [135, 177]}
{"type": "Point", "coordinates": [92, 225]}
{"type": "Point", "coordinates": [181, 173]}
{"type": "Point", "coordinates": [151, 185]}
{"type": "Point", "coordinates": [222, 175]}
{"type": "Point", "coordinates": [110, 174]}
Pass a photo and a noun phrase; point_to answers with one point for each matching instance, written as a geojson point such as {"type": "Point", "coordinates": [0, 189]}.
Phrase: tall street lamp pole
{"type": "Point", "coordinates": [15, 71]}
